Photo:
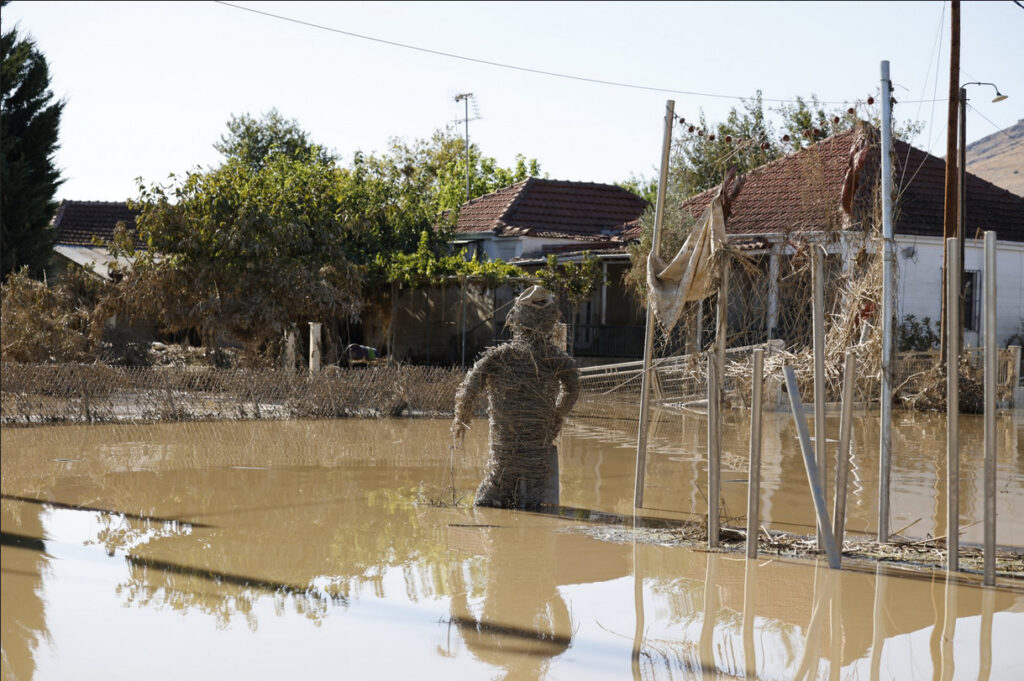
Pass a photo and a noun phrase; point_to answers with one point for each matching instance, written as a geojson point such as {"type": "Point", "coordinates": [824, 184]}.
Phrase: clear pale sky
{"type": "Point", "coordinates": [150, 86]}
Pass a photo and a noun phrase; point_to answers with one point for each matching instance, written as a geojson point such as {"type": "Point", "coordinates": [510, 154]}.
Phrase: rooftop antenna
{"type": "Point", "coordinates": [466, 97]}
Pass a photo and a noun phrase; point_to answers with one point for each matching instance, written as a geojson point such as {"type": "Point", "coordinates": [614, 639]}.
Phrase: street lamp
{"type": "Point", "coordinates": [962, 189]}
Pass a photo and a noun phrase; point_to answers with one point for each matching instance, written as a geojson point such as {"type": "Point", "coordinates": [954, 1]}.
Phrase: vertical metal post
{"type": "Point", "coordinates": [659, 210]}
{"type": "Point", "coordinates": [843, 453]}
{"type": "Point", "coordinates": [888, 292]}
{"type": "Point", "coordinates": [818, 327]}
{"type": "Point", "coordinates": [991, 376]}
{"type": "Point", "coordinates": [754, 469]}
{"type": "Point", "coordinates": [714, 451]}
{"type": "Point", "coordinates": [953, 405]}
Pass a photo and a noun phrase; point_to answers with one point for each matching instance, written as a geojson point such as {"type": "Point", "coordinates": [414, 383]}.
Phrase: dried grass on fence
{"type": "Point", "coordinates": [96, 393]}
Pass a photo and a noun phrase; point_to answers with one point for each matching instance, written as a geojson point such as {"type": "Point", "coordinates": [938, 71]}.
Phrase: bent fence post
{"type": "Point", "coordinates": [813, 479]}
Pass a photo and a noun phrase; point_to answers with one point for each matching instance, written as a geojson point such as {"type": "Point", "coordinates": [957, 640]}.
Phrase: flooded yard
{"type": "Point", "coordinates": [324, 549]}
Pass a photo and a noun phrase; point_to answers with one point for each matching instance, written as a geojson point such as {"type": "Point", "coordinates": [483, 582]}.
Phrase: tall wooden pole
{"type": "Point", "coordinates": [659, 209]}
{"type": "Point", "coordinates": [950, 212]}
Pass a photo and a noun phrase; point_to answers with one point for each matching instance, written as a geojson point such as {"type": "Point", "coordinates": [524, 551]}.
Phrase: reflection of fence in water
{"type": "Point", "coordinates": [97, 393]}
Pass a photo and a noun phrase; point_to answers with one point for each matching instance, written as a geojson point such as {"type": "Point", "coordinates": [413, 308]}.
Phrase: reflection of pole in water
{"type": "Point", "coordinates": [749, 598]}
{"type": "Point", "coordinates": [948, 630]}
{"type": "Point", "coordinates": [824, 587]}
{"type": "Point", "coordinates": [878, 629]}
{"type": "Point", "coordinates": [638, 608]}
{"type": "Point", "coordinates": [836, 645]}
{"type": "Point", "coordinates": [988, 606]}
{"type": "Point", "coordinates": [707, 629]}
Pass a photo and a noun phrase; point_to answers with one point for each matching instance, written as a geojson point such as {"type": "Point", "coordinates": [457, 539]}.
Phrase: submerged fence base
{"type": "Point", "coordinates": [34, 394]}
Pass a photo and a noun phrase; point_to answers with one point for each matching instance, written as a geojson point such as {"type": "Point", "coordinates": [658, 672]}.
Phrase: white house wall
{"type": "Point", "coordinates": [919, 287]}
{"type": "Point", "coordinates": [507, 248]}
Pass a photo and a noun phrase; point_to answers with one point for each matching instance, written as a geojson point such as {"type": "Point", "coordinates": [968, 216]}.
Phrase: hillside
{"type": "Point", "coordinates": [999, 158]}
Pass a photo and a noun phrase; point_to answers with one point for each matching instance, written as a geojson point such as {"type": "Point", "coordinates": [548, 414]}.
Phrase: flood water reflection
{"type": "Point", "coordinates": [323, 550]}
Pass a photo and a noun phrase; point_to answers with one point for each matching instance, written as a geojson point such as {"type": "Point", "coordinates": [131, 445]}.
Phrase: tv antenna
{"type": "Point", "coordinates": [466, 97]}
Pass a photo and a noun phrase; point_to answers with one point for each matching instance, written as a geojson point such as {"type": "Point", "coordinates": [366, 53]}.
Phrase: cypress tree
{"type": "Point", "coordinates": [29, 121]}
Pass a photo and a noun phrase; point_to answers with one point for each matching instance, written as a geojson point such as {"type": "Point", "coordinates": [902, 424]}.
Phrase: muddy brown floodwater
{"type": "Point", "coordinates": [323, 550]}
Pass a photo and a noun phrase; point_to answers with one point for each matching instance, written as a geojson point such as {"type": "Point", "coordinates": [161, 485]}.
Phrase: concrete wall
{"type": "Point", "coordinates": [919, 284]}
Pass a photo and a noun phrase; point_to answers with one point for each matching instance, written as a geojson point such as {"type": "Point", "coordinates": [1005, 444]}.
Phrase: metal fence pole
{"type": "Point", "coordinates": [813, 478]}
{"type": "Point", "coordinates": [754, 470]}
{"type": "Point", "coordinates": [953, 404]}
{"type": "Point", "coordinates": [818, 324]}
{"type": "Point", "coordinates": [714, 450]}
{"type": "Point", "coordinates": [888, 313]}
{"type": "Point", "coordinates": [991, 379]}
{"type": "Point", "coordinates": [843, 453]}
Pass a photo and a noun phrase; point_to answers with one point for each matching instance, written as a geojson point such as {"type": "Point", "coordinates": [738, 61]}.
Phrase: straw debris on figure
{"type": "Point", "coordinates": [531, 386]}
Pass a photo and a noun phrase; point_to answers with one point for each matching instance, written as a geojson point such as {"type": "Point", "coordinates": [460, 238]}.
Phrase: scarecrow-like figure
{"type": "Point", "coordinates": [531, 387]}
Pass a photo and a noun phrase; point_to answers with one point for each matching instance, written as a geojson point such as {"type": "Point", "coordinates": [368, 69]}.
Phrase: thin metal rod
{"type": "Point", "coordinates": [953, 405]}
{"type": "Point", "coordinates": [754, 470]}
{"type": "Point", "coordinates": [659, 210]}
{"type": "Point", "coordinates": [843, 453]}
{"type": "Point", "coordinates": [888, 295]}
{"type": "Point", "coordinates": [714, 452]}
{"type": "Point", "coordinates": [991, 350]}
{"type": "Point", "coordinates": [813, 479]}
{"type": "Point", "coordinates": [818, 325]}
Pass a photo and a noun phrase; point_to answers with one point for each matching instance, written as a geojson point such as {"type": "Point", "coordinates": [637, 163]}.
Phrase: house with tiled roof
{"type": "Point", "coordinates": [82, 227]}
{"type": "Point", "coordinates": [531, 217]}
{"type": "Point", "coordinates": [833, 184]}
{"type": "Point", "coordinates": [527, 221]}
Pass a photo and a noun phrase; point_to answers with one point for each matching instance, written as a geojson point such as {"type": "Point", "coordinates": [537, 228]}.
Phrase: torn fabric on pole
{"type": "Point", "coordinates": [690, 275]}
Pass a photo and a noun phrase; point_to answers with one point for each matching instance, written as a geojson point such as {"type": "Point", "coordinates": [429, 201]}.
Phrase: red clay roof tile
{"type": "Point", "coordinates": [77, 222]}
{"type": "Point", "coordinates": [552, 208]}
{"type": "Point", "coordinates": [803, 192]}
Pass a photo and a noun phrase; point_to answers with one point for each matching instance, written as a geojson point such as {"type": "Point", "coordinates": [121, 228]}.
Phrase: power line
{"type": "Point", "coordinates": [524, 69]}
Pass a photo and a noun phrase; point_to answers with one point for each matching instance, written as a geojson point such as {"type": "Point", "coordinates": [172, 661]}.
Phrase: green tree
{"type": "Point", "coordinates": [252, 141]}
{"type": "Point", "coordinates": [246, 248]}
{"type": "Point", "coordinates": [29, 122]}
{"type": "Point", "coordinates": [439, 164]}
{"type": "Point", "coordinates": [279, 234]}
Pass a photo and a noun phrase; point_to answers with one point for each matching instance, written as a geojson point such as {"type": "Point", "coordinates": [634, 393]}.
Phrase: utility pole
{"type": "Point", "coordinates": [950, 213]}
{"type": "Point", "coordinates": [465, 97]}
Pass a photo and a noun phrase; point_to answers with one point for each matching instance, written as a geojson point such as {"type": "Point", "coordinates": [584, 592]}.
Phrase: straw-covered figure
{"type": "Point", "coordinates": [531, 386]}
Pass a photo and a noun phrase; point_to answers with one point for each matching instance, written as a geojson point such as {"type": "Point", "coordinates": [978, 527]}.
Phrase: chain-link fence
{"type": "Point", "coordinates": [33, 394]}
